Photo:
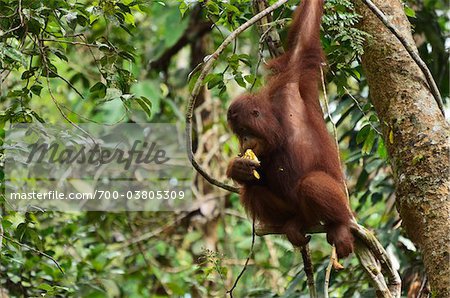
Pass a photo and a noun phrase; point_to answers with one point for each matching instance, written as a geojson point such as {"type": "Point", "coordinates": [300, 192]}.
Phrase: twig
{"type": "Point", "coordinates": [82, 37]}
{"type": "Point", "coordinates": [19, 11]}
{"type": "Point", "coordinates": [328, 272]}
{"type": "Point", "coordinates": [52, 96]}
{"type": "Point", "coordinates": [197, 87]}
{"type": "Point", "coordinates": [36, 251]}
{"type": "Point", "coordinates": [308, 267]}
{"type": "Point", "coordinates": [142, 251]}
{"type": "Point", "coordinates": [10, 30]}
{"type": "Point", "coordinates": [93, 121]}
{"type": "Point", "coordinates": [358, 105]}
{"type": "Point", "coordinates": [230, 291]}
{"type": "Point", "coordinates": [1, 234]}
{"type": "Point", "coordinates": [69, 84]}
{"type": "Point", "coordinates": [155, 232]}
{"type": "Point", "coordinates": [269, 35]}
{"type": "Point", "coordinates": [422, 286]}
{"type": "Point", "coordinates": [325, 97]}
{"type": "Point", "coordinates": [429, 78]}
{"type": "Point", "coordinates": [77, 43]}
{"type": "Point", "coordinates": [273, 41]}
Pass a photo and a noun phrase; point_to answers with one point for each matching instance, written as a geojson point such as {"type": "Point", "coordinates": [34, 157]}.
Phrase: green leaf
{"type": "Point", "coordinates": [60, 55]}
{"type": "Point", "coordinates": [362, 134]}
{"type": "Point", "coordinates": [250, 78]}
{"type": "Point", "coordinates": [129, 19]}
{"type": "Point", "coordinates": [212, 7]}
{"type": "Point", "coordinates": [51, 71]}
{"type": "Point", "coordinates": [98, 87]}
{"type": "Point", "coordinates": [126, 55]}
{"type": "Point", "coordinates": [38, 118]}
{"type": "Point", "coordinates": [368, 143]}
{"type": "Point", "coordinates": [93, 18]}
{"type": "Point", "coordinates": [15, 55]}
{"type": "Point", "coordinates": [409, 12]}
{"type": "Point", "coordinates": [36, 89]}
{"type": "Point", "coordinates": [381, 150]}
{"type": "Point", "coordinates": [213, 79]}
{"type": "Point", "coordinates": [27, 74]}
{"type": "Point", "coordinates": [112, 94]}
{"type": "Point", "coordinates": [238, 78]}
{"type": "Point", "coordinates": [376, 197]}
{"type": "Point", "coordinates": [45, 287]}
{"type": "Point", "coordinates": [145, 104]}
{"type": "Point", "coordinates": [183, 8]}
{"type": "Point", "coordinates": [356, 74]}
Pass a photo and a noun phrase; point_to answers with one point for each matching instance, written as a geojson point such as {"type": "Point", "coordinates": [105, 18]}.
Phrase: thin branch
{"type": "Point", "coordinates": [358, 105]}
{"type": "Point", "coordinates": [76, 43]}
{"type": "Point", "coordinates": [308, 267]}
{"type": "Point", "coordinates": [36, 251]}
{"type": "Point", "coordinates": [199, 83]}
{"type": "Point", "coordinates": [230, 291]}
{"type": "Point", "coordinates": [422, 287]}
{"type": "Point", "coordinates": [52, 96]}
{"type": "Point", "coordinates": [154, 232]}
{"type": "Point", "coordinates": [429, 78]}
{"type": "Point", "coordinates": [328, 272]}
{"type": "Point", "coordinates": [68, 83]}
{"type": "Point", "coordinates": [82, 37]}
{"type": "Point", "coordinates": [327, 108]}
{"type": "Point", "coordinates": [1, 234]}
{"type": "Point", "coordinates": [268, 32]}
{"type": "Point", "coordinates": [331, 265]}
{"type": "Point", "coordinates": [22, 23]}
{"type": "Point", "coordinates": [93, 121]}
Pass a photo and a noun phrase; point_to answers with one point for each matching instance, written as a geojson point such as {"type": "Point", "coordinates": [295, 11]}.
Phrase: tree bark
{"type": "Point", "coordinates": [416, 135]}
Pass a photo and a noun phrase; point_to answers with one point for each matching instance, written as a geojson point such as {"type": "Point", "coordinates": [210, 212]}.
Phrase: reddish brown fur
{"type": "Point", "coordinates": [301, 181]}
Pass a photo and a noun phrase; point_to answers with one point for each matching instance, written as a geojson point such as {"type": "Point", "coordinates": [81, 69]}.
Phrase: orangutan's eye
{"type": "Point", "coordinates": [255, 113]}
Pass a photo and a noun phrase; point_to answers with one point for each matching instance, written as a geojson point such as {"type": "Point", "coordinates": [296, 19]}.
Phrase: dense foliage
{"type": "Point", "coordinates": [110, 61]}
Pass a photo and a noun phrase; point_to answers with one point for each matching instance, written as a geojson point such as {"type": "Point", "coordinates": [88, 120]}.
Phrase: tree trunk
{"type": "Point", "coordinates": [416, 135]}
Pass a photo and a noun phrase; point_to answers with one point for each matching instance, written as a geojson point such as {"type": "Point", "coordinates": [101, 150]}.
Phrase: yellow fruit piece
{"type": "Point", "coordinates": [249, 154]}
